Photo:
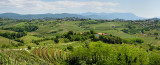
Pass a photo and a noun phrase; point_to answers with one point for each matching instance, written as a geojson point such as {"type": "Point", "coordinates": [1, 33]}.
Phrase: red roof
{"type": "Point", "coordinates": [102, 34]}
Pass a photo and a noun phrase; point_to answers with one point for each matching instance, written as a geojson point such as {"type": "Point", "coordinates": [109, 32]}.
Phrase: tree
{"type": "Point", "coordinates": [70, 33]}
{"type": "Point", "coordinates": [137, 40]}
{"type": "Point", "coordinates": [156, 34]}
{"type": "Point", "coordinates": [92, 31]}
{"type": "Point", "coordinates": [156, 37]}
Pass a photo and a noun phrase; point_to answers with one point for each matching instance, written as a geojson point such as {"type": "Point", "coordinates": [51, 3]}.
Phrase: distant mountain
{"type": "Point", "coordinates": [154, 19]}
{"type": "Point", "coordinates": [38, 16]}
{"type": "Point", "coordinates": [110, 16]}
{"type": "Point", "coordinates": [158, 17]}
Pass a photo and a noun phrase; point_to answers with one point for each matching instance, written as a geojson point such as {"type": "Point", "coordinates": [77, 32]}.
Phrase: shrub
{"type": "Point", "coordinates": [158, 48]}
{"type": "Point", "coordinates": [5, 46]}
{"type": "Point", "coordinates": [29, 47]}
{"type": "Point", "coordinates": [156, 37]}
{"type": "Point", "coordinates": [151, 47]}
{"type": "Point", "coordinates": [66, 40]}
{"type": "Point", "coordinates": [70, 48]}
{"type": "Point", "coordinates": [56, 40]}
{"type": "Point", "coordinates": [156, 34]}
{"type": "Point", "coordinates": [137, 40]}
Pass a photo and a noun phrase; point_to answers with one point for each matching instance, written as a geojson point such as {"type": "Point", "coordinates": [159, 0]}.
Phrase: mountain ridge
{"type": "Point", "coordinates": [109, 16]}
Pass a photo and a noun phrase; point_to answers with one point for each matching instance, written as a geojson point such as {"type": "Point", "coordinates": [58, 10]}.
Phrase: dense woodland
{"type": "Point", "coordinates": [78, 41]}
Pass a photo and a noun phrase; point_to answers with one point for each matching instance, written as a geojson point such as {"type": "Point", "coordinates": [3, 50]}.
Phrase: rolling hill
{"type": "Point", "coordinates": [109, 16]}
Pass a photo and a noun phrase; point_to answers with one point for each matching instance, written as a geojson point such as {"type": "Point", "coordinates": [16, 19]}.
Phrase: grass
{"type": "Point", "coordinates": [29, 38]}
{"type": "Point", "coordinates": [6, 41]}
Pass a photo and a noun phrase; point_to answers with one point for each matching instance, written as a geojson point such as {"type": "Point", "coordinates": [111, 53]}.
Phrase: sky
{"type": "Point", "coordinates": [141, 8]}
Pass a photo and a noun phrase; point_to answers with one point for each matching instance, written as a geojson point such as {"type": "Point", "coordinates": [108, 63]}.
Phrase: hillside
{"type": "Point", "coordinates": [37, 16]}
{"type": "Point", "coordinates": [76, 41]}
{"type": "Point", "coordinates": [111, 16]}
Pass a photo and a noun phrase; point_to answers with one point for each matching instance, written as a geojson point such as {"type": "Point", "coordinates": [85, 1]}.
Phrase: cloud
{"type": "Point", "coordinates": [38, 6]}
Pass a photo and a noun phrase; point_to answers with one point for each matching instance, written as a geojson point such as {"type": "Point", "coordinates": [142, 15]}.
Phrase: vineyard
{"type": "Point", "coordinates": [20, 57]}
{"type": "Point", "coordinates": [38, 56]}
{"type": "Point", "coordinates": [51, 55]}
{"type": "Point", "coordinates": [88, 42]}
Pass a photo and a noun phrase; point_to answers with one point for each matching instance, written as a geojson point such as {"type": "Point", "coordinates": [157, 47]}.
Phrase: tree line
{"type": "Point", "coordinates": [14, 36]}
{"type": "Point", "coordinates": [26, 27]}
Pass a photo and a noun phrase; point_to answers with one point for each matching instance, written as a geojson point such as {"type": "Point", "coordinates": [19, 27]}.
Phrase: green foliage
{"type": "Point", "coordinates": [56, 40]}
{"type": "Point", "coordinates": [13, 35]}
{"type": "Point", "coordinates": [88, 23]}
{"type": "Point", "coordinates": [20, 44]}
{"type": "Point", "coordinates": [116, 49]}
{"type": "Point", "coordinates": [156, 34]}
{"type": "Point", "coordinates": [26, 27]}
{"type": "Point", "coordinates": [92, 32]}
{"type": "Point", "coordinates": [158, 48]}
{"type": "Point", "coordinates": [11, 57]}
{"type": "Point", "coordinates": [105, 54]}
{"type": "Point", "coordinates": [137, 40]}
{"type": "Point", "coordinates": [111, 39]}
{"type": "Point", "coordinates": [156, 38]}
{"type": "Point", "coordinates": [132, 29]}
{"type": "Point", "coordinates": [5, 46]}
{"type": "Point", "coordinates": [29, 47]}
{"type": "Point", "coordinates": [151, 47]}
{"type": "Point", "coordinates": [91, 35]}
{"type": "Point", "coordinates": [70, 48]}
{"type": "Point", "coordinates": [154, 59]}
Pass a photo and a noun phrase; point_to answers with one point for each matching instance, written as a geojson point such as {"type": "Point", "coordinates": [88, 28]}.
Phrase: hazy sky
{"type": "Point", "coordinates": [143, 8]}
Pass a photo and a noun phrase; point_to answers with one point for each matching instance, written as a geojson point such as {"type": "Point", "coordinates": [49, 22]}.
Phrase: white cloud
{"type": "Point", "coordinates": [37, 6]}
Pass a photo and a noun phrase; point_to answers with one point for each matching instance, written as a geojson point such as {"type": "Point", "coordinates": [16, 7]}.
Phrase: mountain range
{"type": "Point", "coordinates": [109, 16]}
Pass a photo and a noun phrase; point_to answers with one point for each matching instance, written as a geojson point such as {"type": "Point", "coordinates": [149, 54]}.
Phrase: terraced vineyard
{"type": "Point", "coordinates": [20, 57]}
{"type": "Point", "coordinates": [51, 55]}
{"type": "Point", "coordinates": [79, 42]}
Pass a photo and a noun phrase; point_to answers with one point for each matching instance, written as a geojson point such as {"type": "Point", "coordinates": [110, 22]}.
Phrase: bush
{"type": "Point", "coordinates": [66, 40]}
{"type": "Point", "coordinates": [154, 58]}
{"type": "Point", "coordinates": [20, 44]}
{"type": "Point", "coordinates": [56, 40]}
{"type": "Point", "coordinates": [26, 27]}
{"type": "Point", "coordinates": [158, 48]}
{"type": "Point", "coordinates": [137, 40]}
{"type": "Point", "coordinates": [156, 34]}
{"type": "Point", "coordinates": [156, 38]}
{"type": "Point", "coordinates": [151, 47]}
{"type": "Point", "coordinates": [37, 43]}
{"type": "Point", "coordinates": [70, 48]}
{"type": "Point", "coordinates": [92, 32]}
{"type": "Point", "coordinates": [29, 47]}
{"type": "Point", "coordinates": [5, 46]}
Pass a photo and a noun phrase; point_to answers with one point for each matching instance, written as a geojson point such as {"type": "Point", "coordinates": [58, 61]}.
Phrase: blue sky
{"type": "Point", "coordinates": [142, 8]}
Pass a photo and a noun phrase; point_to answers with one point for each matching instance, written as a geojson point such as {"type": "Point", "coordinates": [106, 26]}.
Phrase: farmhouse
{"type": "Point", "coordinates": [98, 34]}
